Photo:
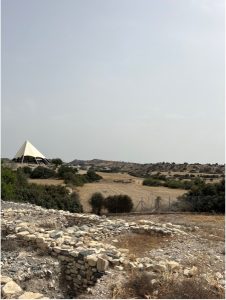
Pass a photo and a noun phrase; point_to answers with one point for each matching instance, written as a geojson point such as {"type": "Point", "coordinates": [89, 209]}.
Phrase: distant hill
{"type": "Point", "coordinates": [146, 169]}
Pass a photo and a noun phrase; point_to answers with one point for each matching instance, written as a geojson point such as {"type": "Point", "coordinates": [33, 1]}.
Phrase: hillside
{"type": "Point", "coordinates": [146, 169]}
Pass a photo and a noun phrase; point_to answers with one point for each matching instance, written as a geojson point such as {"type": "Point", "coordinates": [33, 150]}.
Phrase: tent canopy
{"type": "Point", "coordinates": [28, 150]}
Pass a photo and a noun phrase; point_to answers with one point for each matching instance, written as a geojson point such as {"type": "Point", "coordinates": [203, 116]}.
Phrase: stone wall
{"type": "Point", "coordinates": [78, 240]}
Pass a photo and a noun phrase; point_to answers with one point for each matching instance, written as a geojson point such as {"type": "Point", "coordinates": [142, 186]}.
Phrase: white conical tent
{"type": "Point", "coordinates": [28, 150]}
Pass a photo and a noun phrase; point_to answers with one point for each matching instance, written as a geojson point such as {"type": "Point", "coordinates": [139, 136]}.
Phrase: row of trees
{"type": "Point", "coordinates": [173, 183]}
{"type": "Point", "coordinates": [68, 174]}
{"type": "Point", "coordinates": [114, 204]}
{"type": "Point", "coordinates": [15, 187]}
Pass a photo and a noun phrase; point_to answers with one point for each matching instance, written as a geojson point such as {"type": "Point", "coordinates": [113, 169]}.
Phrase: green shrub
{"type": "Point", "coordinates": [43, 173]}
{"type": "Point", "coordinates": [92, 176]}
{"type": "Point", "coordinates": [14, 187]}
{"type": "Point", "coordinates": [172, 183]}
{"type": "Point", "coordinates": [97, 202]}
{"type": "Point", "coordinates": [71, 176]}
{"type": "Point", "coordinates": [56, 161]}
{"type": "Point", "coordinates": [118, 204]}
{"type": "Point", "coordinates": [27, 170]}
{"type": "Point", "coordinates": [74, 179]}
{"type": "Point", "coordinates": [65, 169]}
{"type": "Point", "coordinates": [9, 179]}
{"type": "Point", "coordinates": [206, 197]}
{"type": "Point", "coordinates": [152, 182]}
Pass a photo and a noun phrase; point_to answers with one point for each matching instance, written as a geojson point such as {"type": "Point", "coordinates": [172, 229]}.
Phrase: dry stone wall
{"type": "Point", "coordinates": [77, 240]}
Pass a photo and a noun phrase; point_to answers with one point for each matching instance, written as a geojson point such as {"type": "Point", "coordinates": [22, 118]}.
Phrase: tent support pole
{"type": "Point", "coordinates": [22, 159]}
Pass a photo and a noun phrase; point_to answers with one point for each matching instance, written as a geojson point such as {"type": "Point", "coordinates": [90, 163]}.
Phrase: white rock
{"type": "Point", "coordinates": [11, 289]}
{"type": "Point", "coordinates": [92, 260]}
{"type": "Point", "coordinates": [4, 279]}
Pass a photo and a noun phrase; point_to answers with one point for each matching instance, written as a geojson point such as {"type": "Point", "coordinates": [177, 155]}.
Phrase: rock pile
{"type": "Point", "coordinates": [10, 289]}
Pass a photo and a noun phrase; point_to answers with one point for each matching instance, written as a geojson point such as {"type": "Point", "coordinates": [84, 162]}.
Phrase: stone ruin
{"type": "Point", "coordinates": [77, 240]}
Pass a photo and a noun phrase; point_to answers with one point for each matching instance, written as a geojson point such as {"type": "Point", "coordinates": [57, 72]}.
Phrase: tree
{"type": "Point", "coordinates": [96, 201]}
{"type": "Point", "coordinates": [118, 204]}
{"type": "Point", "coordinates": [57, 161]}
{"type": "Point", "coordinates": [206, 197]}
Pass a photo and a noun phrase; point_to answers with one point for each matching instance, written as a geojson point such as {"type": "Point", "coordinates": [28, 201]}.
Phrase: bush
{"type": "Point", "coordinates": [92, 176]}
{"type": "Point", "coordinates": [118, 204]}
{"type": "Point", "coordinates": [66, 169]}
{"type": "Point", "coordinates": [71, 176]}
{"type": "Point", "coordinates": [14, 187]}
{"type": "Point", "coordinates": [152, 182]}
{"type": "Point", "coordinates": [49, 196]}
{"type": "Point", "coordinates": [9, 180]}
{"type": "Point", "coordinates": [56, 161]}
{"type": "Point", "coordinates": [74, 179]}
{"type": "Point", "coordinates": [172, 183]}
{"type": "Point", "coordinates": [43, 173]}
{"type": "Point", "coordinates": [96, 201]}
{"type": "Point", "coordinates": [27, 170]}
{"type": "Point", "coordinates": [142, 285]}
{"type": "Point", "coordinates": [206, 197]}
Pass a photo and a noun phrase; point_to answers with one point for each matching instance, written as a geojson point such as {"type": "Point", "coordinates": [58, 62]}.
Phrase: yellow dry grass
{"type": "Point", "coordinates": [107, 186]}
{"type": "Point", "coordinates": [47, 181]}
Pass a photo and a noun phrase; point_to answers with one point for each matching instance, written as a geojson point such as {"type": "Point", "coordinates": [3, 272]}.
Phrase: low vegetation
{"type": "Point", "coordinates": [162, 180]}
{"type": "Point", "coordinates": [118, 204]}
{"type": "Point", "coordinates": [145, 285]}
{"type": "Point", "coordinates": [70, 176]}
{"type": "Point", "coordinates": [114, 204]}
{"type": "Point", "coordinates": [42, 173]}
{"type": "Point", "coordinates": [15, 187]}
{"type": "Point", "coordinates": [57, 161]}
{"type": "Point", "coordinates": [205, 198]}
{"type": "Point", "coordinates": [97, 203]}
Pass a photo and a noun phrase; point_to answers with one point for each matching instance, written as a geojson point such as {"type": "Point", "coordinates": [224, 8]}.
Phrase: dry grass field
{"type": "Point", "coordinates": [47, 181]}
{"type": "Point", "coordinates": [120, 183]}
{"type": "Point", "coordinates": [132, 187]}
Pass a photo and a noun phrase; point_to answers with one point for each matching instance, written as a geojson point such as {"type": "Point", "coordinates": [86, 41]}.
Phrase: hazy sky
{"type": "Point", "coordinates": [131, 80]}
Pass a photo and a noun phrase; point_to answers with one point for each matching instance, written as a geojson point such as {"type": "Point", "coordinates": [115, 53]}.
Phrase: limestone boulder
{"type": "Point", "coordinates": [92, 260]}
{"type": "Point", "coordinates": [11, 290]}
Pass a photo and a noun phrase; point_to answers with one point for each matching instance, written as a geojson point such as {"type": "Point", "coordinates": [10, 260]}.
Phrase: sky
{"type": "Point", "coordinates": [128, 80]}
